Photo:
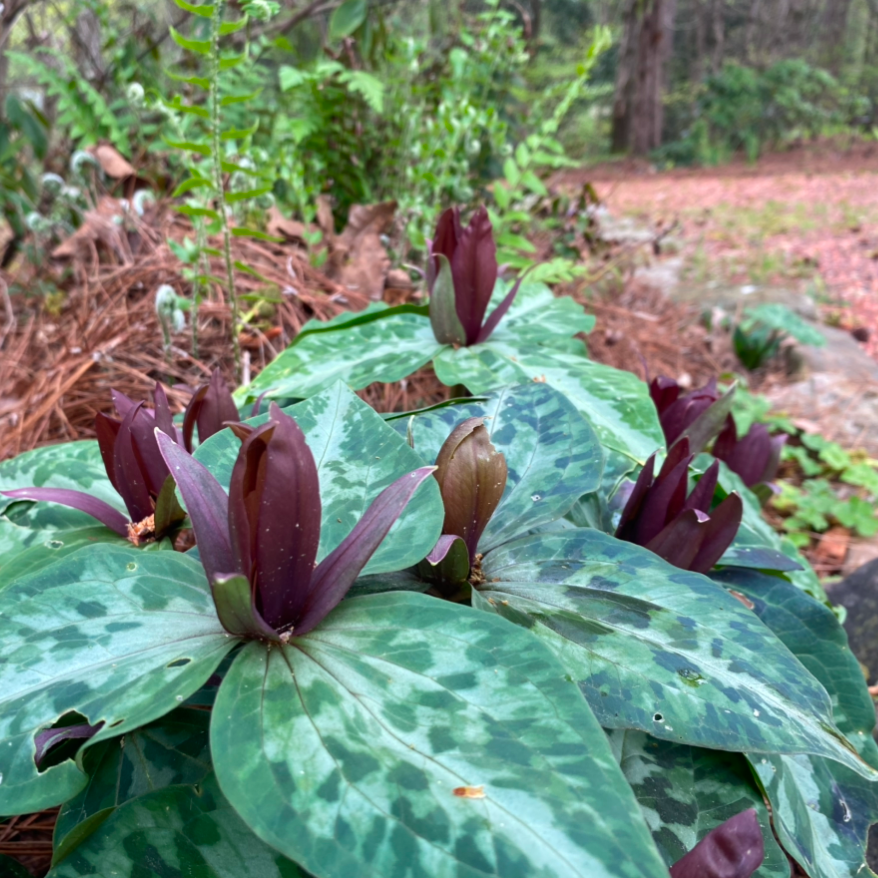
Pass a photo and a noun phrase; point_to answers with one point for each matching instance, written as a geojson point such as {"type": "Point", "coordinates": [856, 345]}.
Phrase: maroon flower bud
{"type": "Point", "coordinates": [259, 544]}
{"type": "Point", "coordinates": [735, 849]}
{"type": "Point", "coordinates": [472, 478]}
{"type": "Point", "coordinates": [461, 274]}
{"type": "Point", "coordinates": [211, 408]}
{"type": "Point", "coordinates": [135, 468]}
{"type": "Point", "coordinates": [755, 457]}
{"type": "Point", "coordinates": [681, 529]}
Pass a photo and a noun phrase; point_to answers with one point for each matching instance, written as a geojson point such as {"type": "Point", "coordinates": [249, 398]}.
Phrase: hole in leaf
{"type": "Point", "coordinates": [658, 718]}
{"type": "Point", "coordinates": [61, 741]}
{"type": "Point", "coordinates": [131, 566]}
{"type": "Point", "coordinates": [179, 663]}
{"type": "Point", "coordinates": [54, 544]}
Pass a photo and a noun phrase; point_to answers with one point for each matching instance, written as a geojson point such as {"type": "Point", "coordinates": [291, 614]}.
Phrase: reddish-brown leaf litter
{"type": "Point", "coordinates": [788, 220]}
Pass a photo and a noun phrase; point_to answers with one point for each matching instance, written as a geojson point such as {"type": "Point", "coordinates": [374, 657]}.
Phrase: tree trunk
{"type": "Point", "coordinates": [9, 13]}
{"type": "Point", "coordinates": [638, 112]}
{"type": "Point", "coordinates": [719, 34]}
{"type": "Point", "coordinates": [698, 67]}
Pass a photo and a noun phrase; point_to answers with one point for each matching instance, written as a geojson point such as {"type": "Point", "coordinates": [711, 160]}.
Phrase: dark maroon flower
{"type": "Point", "coordinates": [734, 849]}
{"type": "Point", "coordinates": [683, 530]}
{"type": "Point", "coordinates": [135, 468]}
{"type": "Point", "coordinates": [755, 457]}
{"type": "Point", "coordinates": [472, 477]}
{"type": "Point", "coordinates": [461, 275]}
{"type": "Point", "coordinates": [211, 408]}
{"type": "Point", "coordinates": [259, 544]}
{"type": "Point", "coordinates": [699, 413]}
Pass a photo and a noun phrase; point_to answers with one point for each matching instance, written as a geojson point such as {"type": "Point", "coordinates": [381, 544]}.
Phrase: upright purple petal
{"type": "Point", "coordinates": [474, 270]}
{"type": "Point", "coordinates": [274, 516]}
{"type": "Point", "coordinates": [149, 460]}
{"type": "Point", "coordinates": [92, 506]}
{"type": "Point", "coordinates": [628, 522]}
{"type": "Point", "coordinates": [164, 420]}
{"type": "Point", "coordinates": [664, 502]}
{"type": "Point", "coordinates": [686, 409]}
{"type": "Point", "coordinates": [664, 392]}
{"type": "Point", "coordinates": [106, 430]}
{"type": "Point", "coordinates": [735, 849]}
{"type": "Point", "coordinates": [701, 497]}
{"type": "Point", "coordinates": [445, 239]}
{"type": "Point", "coordinates": [210, 407]}
{"type": "Point", "coordinates": [718, 534]}
{"type": "Point", "coordinates": [130, 482]}
{"type": "Point", "coordinates": [679, 540]}
{"type": "Point", "coordinates": [206, 504]}
{"type": "Point", "coordinates": [773, 463]}
{"type": "Point", "coordinates": [122, 403]}
{"type": "Point", "coordinates": [337, 571]}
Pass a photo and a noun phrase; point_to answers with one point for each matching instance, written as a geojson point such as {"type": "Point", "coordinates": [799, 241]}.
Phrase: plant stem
{"type": "Point", "coordinates": [216, 22]}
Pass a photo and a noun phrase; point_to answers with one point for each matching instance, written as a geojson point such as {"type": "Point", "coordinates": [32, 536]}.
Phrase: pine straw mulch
{"type": "Point", "coordinates": [56, 369]}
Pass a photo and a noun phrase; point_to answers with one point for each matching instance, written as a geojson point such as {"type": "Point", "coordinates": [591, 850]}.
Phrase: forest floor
{"type": "Point", "coordinates": [805, 219]}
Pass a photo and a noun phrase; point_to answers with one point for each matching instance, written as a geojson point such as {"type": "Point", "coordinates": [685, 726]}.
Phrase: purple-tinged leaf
{"type": "Point", "coordinates": [164, 420]}
{"type": "Point", "coordinates": [702, 494]}
{"type": "Point", "coordinates": [735, 849]}
{"type": "Point", "coordinates": [679, 541]}
{"type": "Point", "coordinates": [131, 482]}
{"type": "Point", "coordinates": [207, 506]}
{"type": "Point", "coordinates": [498, 313]}
{"type": "Point", "coordinates": [337, 572]}
{"type": "Point", "coordinates": [474, 269]}
{"type": "Point", "coordinates": [274, 516]}
{"type": "Point", "coordinates": [440, 550]}
{"type": "Point", "coordinates": [664, 502]}
{"type": "Point", "coordinates": [92, 506]}
{"type": "Point", "coordinates": [447, 327]}
{"type": "Point", "coordinates": [627, 528]}
{"type": "Point", "coordinates": [718, 533]}
{"type": "Point", "coordinates": [472, 477]}
{"type": "Point", "coordinates": [107, 429]}
{"type": "Point", "coordinates": [48, 738]}
{"type": "Point", "coordinates": [773, 463]}
{"type": "Point", "coordinates": [235, 602]}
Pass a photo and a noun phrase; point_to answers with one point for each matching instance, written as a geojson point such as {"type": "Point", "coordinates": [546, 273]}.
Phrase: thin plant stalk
{"type": "Point", "coordinates": [216, 22]}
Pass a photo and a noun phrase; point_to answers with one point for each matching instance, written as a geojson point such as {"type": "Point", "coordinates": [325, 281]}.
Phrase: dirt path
{"type": "Point", "coordinates": [814, 231]}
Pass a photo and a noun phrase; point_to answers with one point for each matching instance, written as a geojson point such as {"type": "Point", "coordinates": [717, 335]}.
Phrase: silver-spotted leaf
{"type": "Point", "coordinates": [685, 792]}
{"type": "Point", "coordinates": [119, 635]}
{"type": "Point", "coordinates": [659, 649]}
{"type": "Point", "coordinates": [411, 736]}
{"type": "Point", "coordinates": [176, 831]}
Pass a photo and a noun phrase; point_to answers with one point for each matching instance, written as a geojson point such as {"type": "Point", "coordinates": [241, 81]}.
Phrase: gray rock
{"type": "Point", "coordinates": [858, 594]}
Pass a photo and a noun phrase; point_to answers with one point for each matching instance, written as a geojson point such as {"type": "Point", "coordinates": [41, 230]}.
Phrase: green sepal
{"type": "Point", "coordinates": [443, 311]}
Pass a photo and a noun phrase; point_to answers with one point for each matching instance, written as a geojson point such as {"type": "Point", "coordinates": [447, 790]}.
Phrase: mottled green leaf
{"type": "Point", "coordinates": [685, 792]}
{"type": "Point", "coordinates": [24, 550]}
{"type": "Point", "coordinates": [119, 635]}
{"type": "Point", "coordinates": [822, 811]}
{"type": "Point", "coordinates": [344, 750]}
{"type": "Point", "coordinates": [660, 649]}
{"type": "Point", "coordinates": [615, 402]}
{"type": "Point", "coordinates": [552, 454]}
{"type": "Point", "coordinates": [10, 868]}
{"type": "Point", "coordinates": [386, 349]}
{"type": "Point", "coordinates": [74, 465]}
{"type": "Point", "coordinates": [358, 455]}
{"type": "Point", "coordinates": [178, 831]}
{"type": "Point", "coordinates": [172, 750]}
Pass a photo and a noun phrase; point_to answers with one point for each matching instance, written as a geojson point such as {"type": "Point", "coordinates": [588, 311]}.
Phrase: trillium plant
{"type": "Point", "coordinates": [536, 631]}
